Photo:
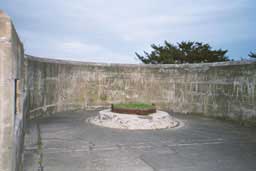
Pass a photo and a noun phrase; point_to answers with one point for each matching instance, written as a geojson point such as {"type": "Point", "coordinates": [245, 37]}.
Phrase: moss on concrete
{"type": "Point", "coordinates": [236, 120]}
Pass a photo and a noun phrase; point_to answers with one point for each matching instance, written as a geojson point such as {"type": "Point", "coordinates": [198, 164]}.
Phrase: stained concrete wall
{"type": "Point", "coordinates": [40, 87]}
{"type": "Point", "coordinates": [223, 89]}
{"type": "Point", "coordinates": [11, 96]}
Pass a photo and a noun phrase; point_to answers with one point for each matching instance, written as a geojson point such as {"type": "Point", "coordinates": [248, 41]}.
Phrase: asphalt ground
{"type": "Point", "coordinates": [66, 142]}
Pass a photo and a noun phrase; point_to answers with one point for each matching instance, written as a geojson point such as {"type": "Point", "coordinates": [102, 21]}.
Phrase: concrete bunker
{"type": "Point", "coordinates": [33, 87]}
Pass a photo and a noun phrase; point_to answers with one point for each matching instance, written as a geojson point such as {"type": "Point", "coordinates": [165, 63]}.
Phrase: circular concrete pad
{"type": "Point", "coordinates": [158, 120]}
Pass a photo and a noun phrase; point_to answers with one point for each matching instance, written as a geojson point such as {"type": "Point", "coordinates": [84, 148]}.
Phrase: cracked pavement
{"type": "Point", "coordinates": [66, 142]}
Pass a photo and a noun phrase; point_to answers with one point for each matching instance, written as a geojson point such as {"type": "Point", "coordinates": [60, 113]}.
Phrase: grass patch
{"type": "Point", "coordinates": [134, 106]}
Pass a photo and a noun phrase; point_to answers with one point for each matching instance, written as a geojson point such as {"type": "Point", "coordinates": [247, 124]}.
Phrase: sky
{"type": "Point", "coordinates": [111, 31]}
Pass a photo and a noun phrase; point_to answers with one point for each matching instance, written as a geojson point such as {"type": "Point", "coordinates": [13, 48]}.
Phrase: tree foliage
{"type": "Point", "coordinates": [184, 52]}
{"type": "Point", "coordinates": [252, 55]}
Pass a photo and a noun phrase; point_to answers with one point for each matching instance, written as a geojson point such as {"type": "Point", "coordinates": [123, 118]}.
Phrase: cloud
{"type": "Point", "coordinates": [79, 47]}
{"type": "Point", "coordinates": [80, 51]}
{"type": "Point", "coordinates": [113, 30]}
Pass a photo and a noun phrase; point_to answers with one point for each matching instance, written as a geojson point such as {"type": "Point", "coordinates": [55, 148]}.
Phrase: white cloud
{"type": "Point", "coordinates": [112, 30]}
{"type": "Point", "coordinates": [79, 47]}
{"type": "Point", "coordinates": [77, 50]}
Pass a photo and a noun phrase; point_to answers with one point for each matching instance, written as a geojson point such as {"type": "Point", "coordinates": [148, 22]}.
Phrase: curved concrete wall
{"type": "Point", "coordinates": [223, 89]}
{"type": "Point", "coordinates": [39, 87]}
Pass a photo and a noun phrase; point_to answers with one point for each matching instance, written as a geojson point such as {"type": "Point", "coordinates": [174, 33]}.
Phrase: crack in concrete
{"type": "Point", "coordinates": [93, 148]}
{"type": "Point", "coordinates": [40, 150]}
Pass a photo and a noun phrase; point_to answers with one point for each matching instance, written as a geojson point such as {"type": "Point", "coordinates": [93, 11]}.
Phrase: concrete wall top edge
{"type": "Point", "coordinates": [70, 62]}
{"type": "Point", "coordinates": [3, 14]}
{"type": "Point", "coordinates": [16, 35]}
{"type": "Point", "coordinates": [8, 31]}
{"type": "Point", "coordinates": [5, 28]}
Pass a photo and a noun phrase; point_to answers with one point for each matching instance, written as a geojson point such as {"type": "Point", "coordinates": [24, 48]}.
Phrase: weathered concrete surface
{"type": "Point", "coordinates": [69, 143]}
{"type": "Point", "coordinates": [223, 89]}
{"type": "Point", "coordinates": [11, 103]}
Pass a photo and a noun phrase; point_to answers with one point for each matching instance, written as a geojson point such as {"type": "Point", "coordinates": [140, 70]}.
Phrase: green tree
{"type": "Point", "coordinates": [184, 52]}
{"type": "Point", "coordinates": [252, 55]}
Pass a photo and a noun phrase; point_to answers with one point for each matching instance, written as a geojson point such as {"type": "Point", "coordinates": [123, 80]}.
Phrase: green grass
{"type": "Point", "coordinates": [134, 106]}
